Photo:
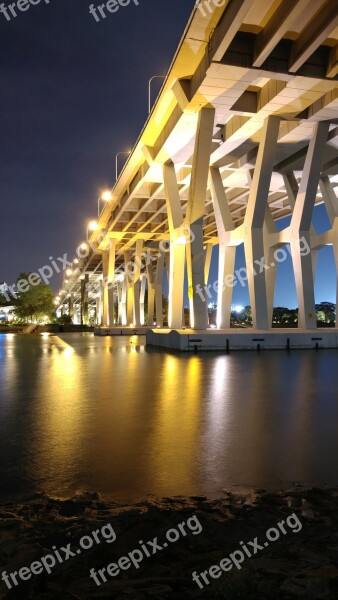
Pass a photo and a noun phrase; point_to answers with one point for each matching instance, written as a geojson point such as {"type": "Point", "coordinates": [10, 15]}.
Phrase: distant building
{"type": "Point", "coordinates": [3, 287]}
{"type": "Point", "coordinates": [6, 315]}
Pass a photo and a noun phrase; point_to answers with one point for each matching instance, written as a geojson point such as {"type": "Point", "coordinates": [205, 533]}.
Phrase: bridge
{"type": "Point", "coordinates": [243, 133]}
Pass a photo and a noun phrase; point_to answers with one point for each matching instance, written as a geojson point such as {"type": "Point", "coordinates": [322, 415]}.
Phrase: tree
{"type": "Point", "coordinates": [326, 312]}
{"type": "Point", "coordinates": [246, 315]}
{"type": "Point", "coordinates": [35, 303]}
{"type": "Point", "coordinates": [3, 300]}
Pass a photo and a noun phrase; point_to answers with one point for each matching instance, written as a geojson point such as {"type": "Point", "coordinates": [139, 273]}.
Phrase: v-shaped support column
{"type": "Point", "coordinates": [301, 224]}
{"type": "Point", "coordinates": [177, 247]}
{"type": "Point", "coordinates": [254, 223]}
{"type": "Point", "coordinates": [227, 254]}
{"type": "Point", "coordinates": [195, 215]}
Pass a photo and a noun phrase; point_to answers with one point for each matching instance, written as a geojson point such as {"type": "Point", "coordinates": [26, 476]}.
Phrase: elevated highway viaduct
{"type": "Point", "coordinates": [243, 133]}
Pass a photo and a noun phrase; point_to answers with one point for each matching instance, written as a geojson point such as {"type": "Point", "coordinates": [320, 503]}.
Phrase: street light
{"type": "Point", "coordinates": [92, 226]}
{"type": "Point", "coordinates": [116, 161]}
{"type": "Point", "coordinates": [149, 89]}
{"type": "Point", "coordinates": [105, 197]}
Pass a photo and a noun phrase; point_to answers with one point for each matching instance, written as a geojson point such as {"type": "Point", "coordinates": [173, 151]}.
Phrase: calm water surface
{"type": "Point", "coordinates": [105, 414]}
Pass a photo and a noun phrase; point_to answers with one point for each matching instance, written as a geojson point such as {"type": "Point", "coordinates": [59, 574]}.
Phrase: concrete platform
{"type": "Point", "coordinates": [188, 340]}
{"type": "Point", "coordinates": [104, 331]}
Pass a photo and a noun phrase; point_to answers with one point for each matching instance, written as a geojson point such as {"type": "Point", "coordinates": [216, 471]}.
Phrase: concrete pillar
{"type": "Point", "coordinates": [71, 306]}
{"type": "Point", "coordinates": [120, 311]}
{"type": "Point", "coordinates": [195, 266]}
{"type": "Point", "coordinates": [136, 283]}
{"type": "Point", "coordinates": [177, 248]}
{"type": "Point", "coordinates": [124, 299]}
{"type": "Point", "coordinates": [133, 274]}
{"type": "Point", "coordinates": [301, 225]}
{"type": "Point", "coordinates": [176, 284]}
{"type": "Point", "coordinates": [329, 197]}
{"type": "Point", "coordinates": [99, 304]}
{"type": "Point", "coordinates": [159, 289]}
{"type": "Point", "coordinates": [269, 253]}
{"type": "Point", "coordinates": [151, 294]}
{"type": "Point", "coordinates": [128, 288]}
{"type": "Point", "coordinates": [226, 269]}
{"type": "Point", "coordinates": [77, 316]}
{"type": "Point", "coordinates": [108, 268]}
{"type": "Point", "coordinates": [227, 254]}
{"type": "Point", "coordinates": [142, 299]}
{"type": "Point", "coordinates": [155, 290]}
{"type": "Point", "coordinates": [111, 304]}
{"type": "Point", "coordinates": [194, 217]}
{"type": "Point", "coordinates": [84, 300]}
{"type": "Point", "coordinates": [98, 311]}
{"type": "Point", "coordinates": [254, 222]}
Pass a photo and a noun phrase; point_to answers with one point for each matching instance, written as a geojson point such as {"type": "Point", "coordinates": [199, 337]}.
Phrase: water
{"type": "Point", "coordinates": [108, 415]}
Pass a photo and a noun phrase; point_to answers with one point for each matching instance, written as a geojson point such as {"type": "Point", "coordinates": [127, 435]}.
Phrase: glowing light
{"type": "Point", "coordinates": [106, 196]}
{"type": "Point", "coordinates": [69, 272]}
{"type": "Point", "coordinates": [181, 240]}
{"type": "Point", "coordinates": [68, 351]}
{"type": "Point", "coordinates": [92, 226]}
{"type": "Point", "coordinates": [238, 308]}
{"type": "Point", "coordinates": [83, 246]}
{"type": "Point", "coordinates": [76, 261]}
{"type": "Point", "coordinates": [66, 280]}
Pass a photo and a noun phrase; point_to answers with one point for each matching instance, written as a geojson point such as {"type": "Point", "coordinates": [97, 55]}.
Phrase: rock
{"type": "Point", "coordinates": [298, 565]}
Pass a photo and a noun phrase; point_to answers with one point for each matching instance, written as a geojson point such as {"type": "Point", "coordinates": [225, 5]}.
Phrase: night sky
{"type": "Point", "coordinates": [73, 94]}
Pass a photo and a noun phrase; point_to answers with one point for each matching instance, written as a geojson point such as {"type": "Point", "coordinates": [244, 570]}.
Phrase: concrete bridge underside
{"type": "Point", "coordinates": [243, 133]}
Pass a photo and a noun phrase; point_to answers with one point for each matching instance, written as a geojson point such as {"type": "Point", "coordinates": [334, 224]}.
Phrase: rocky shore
{"type": "Point", "coordinates": [300, 564]}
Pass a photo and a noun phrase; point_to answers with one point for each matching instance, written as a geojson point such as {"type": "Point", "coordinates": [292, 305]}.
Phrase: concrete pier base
{"type": "Point", "coordinates": [226, 340]}
{"type": "Point", "coordinates": [104, 331]}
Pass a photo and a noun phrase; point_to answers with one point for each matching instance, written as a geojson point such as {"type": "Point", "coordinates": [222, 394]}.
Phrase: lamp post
{"type": "Point", "coordinates": [116, 161]}
{"type": "Point", "coordinates": [149, 89]}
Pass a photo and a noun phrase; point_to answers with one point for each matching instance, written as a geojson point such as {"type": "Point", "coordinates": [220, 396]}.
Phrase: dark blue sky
{"type": "Point", "coordinates": [73, 94]}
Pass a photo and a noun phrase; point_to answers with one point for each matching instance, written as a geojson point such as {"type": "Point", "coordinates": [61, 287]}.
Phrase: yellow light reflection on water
{"type": "Point", "coordinates": [60, 415]}
{"type": "Point", "coordinates": [176, 423]}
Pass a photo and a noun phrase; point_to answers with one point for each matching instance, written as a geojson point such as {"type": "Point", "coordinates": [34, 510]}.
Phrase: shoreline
{"type": "Point", "coordinates": [299, 564]}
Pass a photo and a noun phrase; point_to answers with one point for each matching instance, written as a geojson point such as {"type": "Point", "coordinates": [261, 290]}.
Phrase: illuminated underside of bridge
{"type": "Point", "coordinates": [243, 133]}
